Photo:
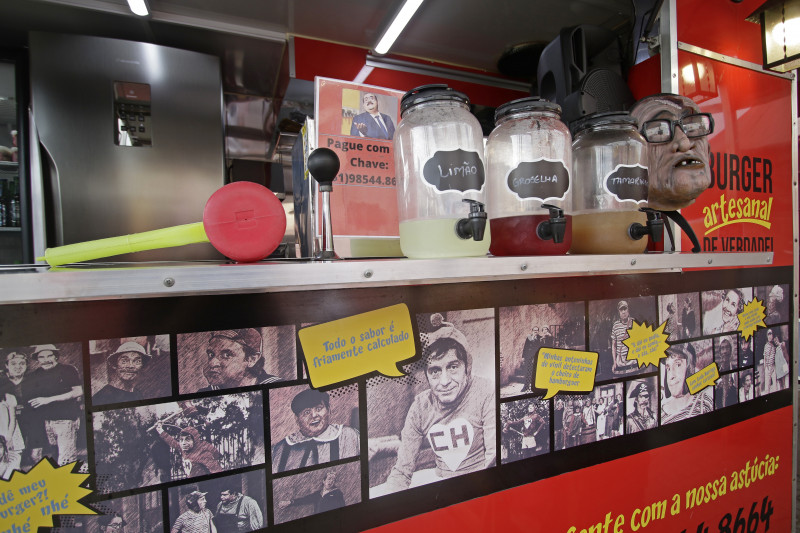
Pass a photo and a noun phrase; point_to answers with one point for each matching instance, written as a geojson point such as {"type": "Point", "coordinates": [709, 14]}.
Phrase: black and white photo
{"type": "Point", "coordinates": [130, 369]}
{"type": "Point", "coordinates": [310, 427]}
{"type": "Point", "coordinates": [525, 329]}
{"type": "Point", "coordinates": [439, 421]}
{"type": "Point", "coordinates": [609, 325]}
{"type": "Point", "coordinates": [231, 358]}
{"type": "Point", "coordinates": [726, 391]}
{"type": "Point", "coordinates": [726, 352]}
{"type": "Point", "coordinates": [315, 492]}
{"type": "Point", "coordinates": [236, 503]}
{"type": "Point", "coordinates": [642, 404]}
{"type": "Point", "coordinates": [773, 358]}
{"type": "Point", "coordinates": [682, 361]}
{"type": "Point", "coordinates": [776, 299]}
{"type": "Point", "coordinates": [142, 446]}
{"type": "Point", "coordinates": [680, 312]}
{"type": "Point", "coordinates": [721, 309]}
{"type": "Point", "coordinates": [525, 429]}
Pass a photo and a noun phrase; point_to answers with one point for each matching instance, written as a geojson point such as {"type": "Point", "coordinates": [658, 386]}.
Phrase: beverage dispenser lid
{"type": "Point", "coordinates": [528, 104]}
{"type": "Point", "coordinates": [606, 118]}
{"type": "Point", "coordinates": [428, 93]}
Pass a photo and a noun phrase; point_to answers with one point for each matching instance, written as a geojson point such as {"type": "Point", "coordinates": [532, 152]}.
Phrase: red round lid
{"type": "Point", "coordinates": [244, 221]}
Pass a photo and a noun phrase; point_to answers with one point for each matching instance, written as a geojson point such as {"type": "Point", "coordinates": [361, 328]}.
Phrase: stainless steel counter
{"type": "Point", "coordinates": [140, 280]}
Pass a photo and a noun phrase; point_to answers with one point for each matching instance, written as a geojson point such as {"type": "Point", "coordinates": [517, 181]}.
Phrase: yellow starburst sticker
{"type": "Point", "coordinates": [646, 345]}
{"type": "Point", "coordinates": [752, 317]}
{"type": "Point", "coordinates": [29, 501]}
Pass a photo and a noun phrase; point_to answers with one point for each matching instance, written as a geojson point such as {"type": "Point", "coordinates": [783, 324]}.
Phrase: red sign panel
{"type": "Point", "coordinates": [735, 479]}
{"type": "Point", "coordinates": [748, 207]}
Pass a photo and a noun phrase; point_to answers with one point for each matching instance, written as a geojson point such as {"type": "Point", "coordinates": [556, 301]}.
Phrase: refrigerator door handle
{"type": "Point", "coordinates": [38, 220]}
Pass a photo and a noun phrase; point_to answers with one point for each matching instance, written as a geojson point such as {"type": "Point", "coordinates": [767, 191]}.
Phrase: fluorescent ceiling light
{"type": "Point", "coordinates": [397, 25]}
{"type": "Point", "coordinates": [139, 7]}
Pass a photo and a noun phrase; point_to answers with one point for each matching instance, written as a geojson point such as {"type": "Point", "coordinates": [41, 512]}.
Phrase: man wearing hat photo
{"type": "Point", "coordinates": [641, 417]}
{"type": "Point", "coordinates": [619, 332]}
{"type": "Point", "coordinates": [317, 441]}
{"type": "Point", "coordinates": [198, 457]}
{"type": "Point", "coordinates": [58, 389]}
{"type": "Point", "coordinates": [456, 416]}
{"type": "Point", "coordinates": [124, 367]}
{"type": "Point", "coordinates": [197, 518]}
{"type": "Point", "coordinates": [235, 359]}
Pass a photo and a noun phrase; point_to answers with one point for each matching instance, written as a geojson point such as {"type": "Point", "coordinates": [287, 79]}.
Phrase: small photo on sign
{"type": "Point", "coordinates": [130, 369]}
{"type": "Point", "coordinates": [311, 493]}
{"type": "Point", "coordinates": [368, 114]}
{"type": "Point", "coordinates": [439, 421]}
{"type": "Point", "coordinates": [231, 358]}
{"type": "Point", "coordinates": [141, 512]}
{"type": "Point", "coordinates": [642, 404]}
{"type": "Point", "coordinates": [43, 396]}
{"type": "Point", "coordinates": [684, 360]}
{"type": "Point", "coordinates": [746, 354]}
{"type": "Point", "coordinates": [681, 312]}
{"type": "Point", "coordinates": [609, 325]}
{"type": "Point", "coordinates": [150, 445]}
{"type": "Point", "coordinates": [747, 386]}
{"type": "Point", "coordinates": [776, 300]}
{"type": "Point", "coordinates": [726, 391]}
{"type": "Point", "coordinates": [726, 353]}
{"type": "Point", "coordinates": [721, 309]}
{"type": "Point", "coordinates": [236, 503]}
{"type": "Point", "coordinates": [525, 429]}
{"type": "Point", "coordinates": [310, 427]}
{"type": "Point", "coordinates": [773, 359]}
{"type": "Point", "coordinates": [525, 329]}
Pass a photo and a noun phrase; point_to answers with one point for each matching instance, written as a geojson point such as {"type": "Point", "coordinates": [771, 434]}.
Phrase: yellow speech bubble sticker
{"type": "Point", "coordinates": [646, 345]}
{"type": "Point", "coordinates": [706, 377]}
{"type": "Point", "coordinates": [751, 317]}
{"type": "Point", "coordinates": [565, 370]}
{"type": "Point", "coordinates": [29, 501]}
{"type": "Point", "coordinates": [350, 347]}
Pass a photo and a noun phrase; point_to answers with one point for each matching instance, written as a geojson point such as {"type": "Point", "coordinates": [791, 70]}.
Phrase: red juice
{"type": "Point", "coordinates": [517, 236]}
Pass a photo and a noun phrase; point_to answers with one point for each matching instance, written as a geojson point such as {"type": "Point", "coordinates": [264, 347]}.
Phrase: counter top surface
{"type": "Point", "coordinates": [37, 283]}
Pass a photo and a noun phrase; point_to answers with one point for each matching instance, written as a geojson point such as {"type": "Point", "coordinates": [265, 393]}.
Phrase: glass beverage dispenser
{"type": "Point", "coordinates": [609, 163]}
{"type": "Point", "coordinates": [440, 175]}
{"type": "Point", "coordinates": [529, 162]}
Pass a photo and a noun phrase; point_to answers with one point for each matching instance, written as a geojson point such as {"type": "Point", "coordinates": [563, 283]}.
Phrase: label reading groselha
{"type": "Point", "coordinates": [628, 183]}
{"type": "Point", "coordinates": [454, 170]}
{"type": "Point", "coordinates": [542, 180]}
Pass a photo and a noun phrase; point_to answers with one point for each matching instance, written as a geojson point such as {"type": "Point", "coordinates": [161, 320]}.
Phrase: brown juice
{"type": "Point", "coordinates": [606, 233]}
{"type": "Point", "coordinates": [517, 236]}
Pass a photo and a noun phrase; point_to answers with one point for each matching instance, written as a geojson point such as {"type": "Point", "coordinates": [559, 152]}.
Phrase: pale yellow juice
{"type": "Point", "coordinates": [606, 233]}
{"type": "Point", "coordinates": [426, 239]}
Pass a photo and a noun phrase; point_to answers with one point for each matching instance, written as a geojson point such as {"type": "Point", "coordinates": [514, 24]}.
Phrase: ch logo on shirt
{"type": "Point", "coordinates": [452, 441]}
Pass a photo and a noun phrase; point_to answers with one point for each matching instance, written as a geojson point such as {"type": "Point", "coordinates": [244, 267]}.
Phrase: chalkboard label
{"type": "Point", "coordinates": [628, 183]}
{"type": "Point", "coordinates": [455, 170]}
{"type": "Point", "coordinates": [542, 179]}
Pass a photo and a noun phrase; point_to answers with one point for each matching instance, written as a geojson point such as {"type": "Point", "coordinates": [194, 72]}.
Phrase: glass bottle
{"type": "Point", "coordinates": [609, 163]}
{"type": "Point", "coordinates": [439, 162]}
{"type": "Point", "coordinates": [529, 165]}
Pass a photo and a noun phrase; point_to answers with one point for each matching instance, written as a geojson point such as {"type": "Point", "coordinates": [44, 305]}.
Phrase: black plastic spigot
{"type": "Point", "coordinates": [654, 227]}
{"type": "Point", "coordinates": [474, 226]}
{"type": "Point", "coordinates": [554, 228]}
{"type": "Point", "coordinates": [323, 164]}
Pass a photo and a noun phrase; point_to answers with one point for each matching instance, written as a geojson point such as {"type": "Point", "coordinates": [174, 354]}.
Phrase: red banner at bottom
{"type": "Point", "coordinates": [733, 480]}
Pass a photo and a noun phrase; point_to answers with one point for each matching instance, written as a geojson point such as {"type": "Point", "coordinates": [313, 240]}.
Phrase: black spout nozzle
{"type": "Point", "coordinates": [555, 227]}
{"type": "Point", "coordinates": [474, 226]}
{"type": "Point", "coordinates": [654, 228]}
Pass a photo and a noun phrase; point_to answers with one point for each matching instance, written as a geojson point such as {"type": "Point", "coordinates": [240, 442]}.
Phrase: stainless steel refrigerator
{"type": "Point", "coordinates": [126, 137]}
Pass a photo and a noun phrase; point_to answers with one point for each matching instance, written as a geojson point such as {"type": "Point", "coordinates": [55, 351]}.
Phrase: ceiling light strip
{"type": "Point", "coordinates": [396, 27]}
